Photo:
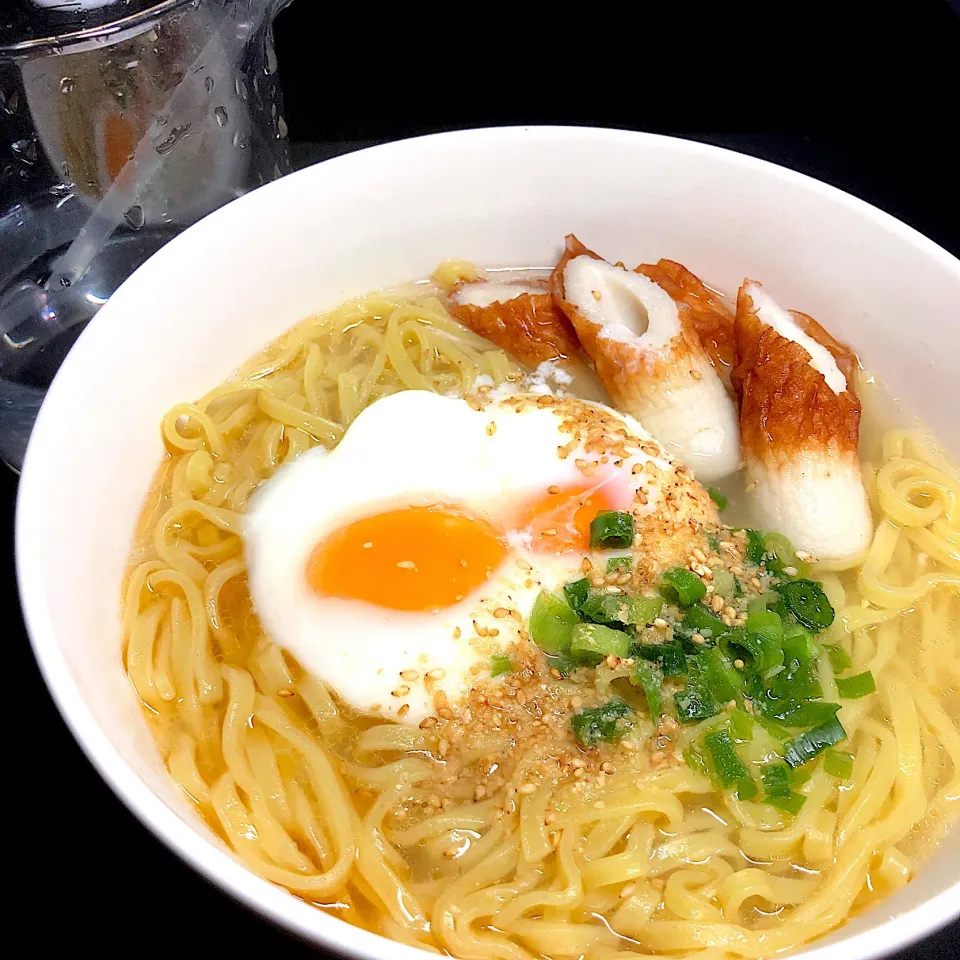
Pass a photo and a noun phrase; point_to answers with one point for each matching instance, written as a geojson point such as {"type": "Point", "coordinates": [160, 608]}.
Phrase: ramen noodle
{"type": "Point", "coordinates": [563, 807]}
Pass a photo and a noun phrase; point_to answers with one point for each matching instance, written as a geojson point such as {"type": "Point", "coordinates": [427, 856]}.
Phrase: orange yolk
{"type": "Point", "coordinates": [414, 558]}
{"type": "Point", "coordinates": [560, 522]}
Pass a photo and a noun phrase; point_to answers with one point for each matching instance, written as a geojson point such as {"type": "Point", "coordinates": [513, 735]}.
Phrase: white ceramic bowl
{"type": "Point", "coordinates": [211, 298]}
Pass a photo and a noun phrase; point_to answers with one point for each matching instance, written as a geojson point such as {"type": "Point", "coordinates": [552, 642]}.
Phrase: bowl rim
{"type": "Point", "coordinates": [205, 854]}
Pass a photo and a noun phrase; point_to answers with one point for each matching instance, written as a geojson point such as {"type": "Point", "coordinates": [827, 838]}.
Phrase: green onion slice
{"type": "Point", "coordinates": [726, 764]}
{"type": "Point", "coordinates": [852, 688]}
{"type": "Point", "coordinates": [838, 764]}
{"type": "Point", "coordinates": [611, 530]}
{"type": "Point", "coordinates": [682, 586]}
{"type": "Point", "coordinates": [500, 663]}
{"type": "Point", "coordinates": [718, 498]}
{"type": "Point", "coordinates": [552, 622]}
{"type": "Point", "coordinates": [812, 742]}
{"type": "Point", "coordinates": [806, 600]}
{"type": "Point", "coordinates": [600, 724]}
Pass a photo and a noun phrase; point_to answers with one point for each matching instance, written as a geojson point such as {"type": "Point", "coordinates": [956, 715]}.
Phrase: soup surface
{"type": "Point", "coordinates": [671, 733]}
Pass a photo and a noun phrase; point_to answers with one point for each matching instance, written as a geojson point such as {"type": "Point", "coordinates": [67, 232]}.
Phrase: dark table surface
{"type": "Point", "coordinates": [106, 881]}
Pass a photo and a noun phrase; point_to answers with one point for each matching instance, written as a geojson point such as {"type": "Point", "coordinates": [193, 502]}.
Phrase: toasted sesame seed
{"type": "Point", "coordinates": [427, 722]}
{"type": "Point", "coordinates": [409, 675]}
{"type": "Point", "coordinates": [696, 374]}
{"type": "Point", "coordinates": [404, 710]}
{"type": "Point", "coordinates": [549, 532]}
{"type": "Point", "coordinates": [456, 633]}
{"type": "Point", "coordinates": [501, 612]}
{"type": "Point", "coordinates": [286, 693]}
{"type": "Point", "coordinates": [660, 623]}
{"type": "Point", "coordinates": [595, 294]}
{"type": "Point", "coordinates": [717, 603]}
{"type": "Point", "coordinates": [406, 565]}
{"type": "Point", "coordinates": [526, 789]}
{"type": "Point", "coordinates": [438, 673]}
{"type": "Point", "coordinates": [445, 713]}
{"type": "Point", "coordinates": [791, 571]}
{"type": "Point", "coordinates": [480, 791]}
{"type": "Point", "coordinates": [699, 555]}
{"type": "Point", "coordinates": [553, 488]}
{"type": "Point", "coordinates": [401, 691]}
{"type": "Point", "coordinates": [550, 817]}
{"type": "Point", "coordinates": [738, 663]}
{"type": "Point", "coordinates": [491, 428]}
{"type": "Point", "coordinates": [697, 638]}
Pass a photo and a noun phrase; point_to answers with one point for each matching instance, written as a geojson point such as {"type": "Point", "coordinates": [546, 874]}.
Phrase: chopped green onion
{"type": "Point", "coordinates": [600, 724]}
{"type": "Point", "coordinates": [714, 542]}
{"type": "Point", "coordinates": [611, 530]}
{"type": "Point", "coordinates": [616, 609]}
{"type": "Point", "coordinates": [682, 586]}
{"type": "Point", "coordinates": [670, 656]}
{"type": "Point", "coordinates": [774, 729]}
{"type": "Point", "coordinates": [726, 764]}
{"type": "Point", "coordinates": [591, 642]}
{"type": "Point", "coordinates": [695, 704]}
{"type": "Point", "coordinates": [725, 584]}
{"type": "Point", "coordinates": [700, 620]}
{"type": "Point", "coordinates": [779, 554]}
{"type": "Point", "coordinates": [799, 777]}
{"type": "Point", "coordinates": [741, 726]}
{"type": "Point", "coordinates": [812, 713]}
{"type": "Point", "coordinates": [551, 622]}
{"type": "Point", "coordinates": [762, 638]}
{"type": "Point", "coordinates": [852, 688]}
{"type": "Point", "coordinates": [811, 742]}
{"type": "Point", "coordinates": [650, 678]}
{"type": "Point", "coordinates": [806, 600]}
{"type": "Point", "coordinates": [798, 644]}
{"type": "Point", "coordinates": [776, 779]}
{"type": "Point", "coordinates": [792, 803]}
{"type": "Point", "coordinates": [619, 563]}
{"type": "Point", "coordinates": [839, 658]}
{"type": "Point", "coordinates": [718, 498]}
{"type": "Point", "coordinates": [643, 610]}
{"type": "Point", "coordinates": [500, 663]}
{"type": "Point", "coordinates": [838, 764]}
{"type": "Point", "coordinates": [755, 547]}
{"type": "Point", "coordinates": [718, 675]}
{"type": "Point", "coordinates": [576, 593]}
{"type": "Point", "coordinates": [604, 608]}
{"type": "Point", "coordinates": [747, 789]}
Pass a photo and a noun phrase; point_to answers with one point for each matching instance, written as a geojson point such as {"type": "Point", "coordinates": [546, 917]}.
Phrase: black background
{"type": "Point", "coordinates": [868, 102]}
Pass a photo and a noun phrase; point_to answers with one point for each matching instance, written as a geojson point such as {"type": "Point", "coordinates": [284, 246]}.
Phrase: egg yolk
{"type": "Point", "coordinates": [413, 558]}
{"type": "Point", "coordinates": [560, 521]}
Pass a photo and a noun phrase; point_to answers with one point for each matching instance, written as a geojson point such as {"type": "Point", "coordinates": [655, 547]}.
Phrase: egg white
{"type": "Point", "coordinates": [410, 449]}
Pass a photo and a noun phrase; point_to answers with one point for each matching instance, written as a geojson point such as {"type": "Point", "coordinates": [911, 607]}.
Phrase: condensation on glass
{"type": "Point", "coordinates": [121, 123]}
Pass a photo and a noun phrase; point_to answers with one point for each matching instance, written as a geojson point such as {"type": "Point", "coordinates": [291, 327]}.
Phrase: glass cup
{"type": "Point", "coordinates": [121, 123]}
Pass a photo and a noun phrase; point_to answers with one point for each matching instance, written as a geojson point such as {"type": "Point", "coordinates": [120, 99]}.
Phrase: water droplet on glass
{"type": "Point", "coordinates": [241, 86]}
{"type": "Point", "coordinates": [176, 135]}
{"type": "Point", "coordinates": [239, 141]}
{"type": "Point", "coordinates": [220, 115]}
{"type": "Point", "coordinates": [25, 150]}
{"type": "Point", "coordinates": [208, 84]}
{"type": "Point", "coordinates": [67, 85]}
{"type": "Point", "coordinates": [134, 217]}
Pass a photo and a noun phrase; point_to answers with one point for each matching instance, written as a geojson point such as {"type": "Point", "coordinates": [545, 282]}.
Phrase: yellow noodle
{"type": "Point", "coordinates": [335, 808]}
